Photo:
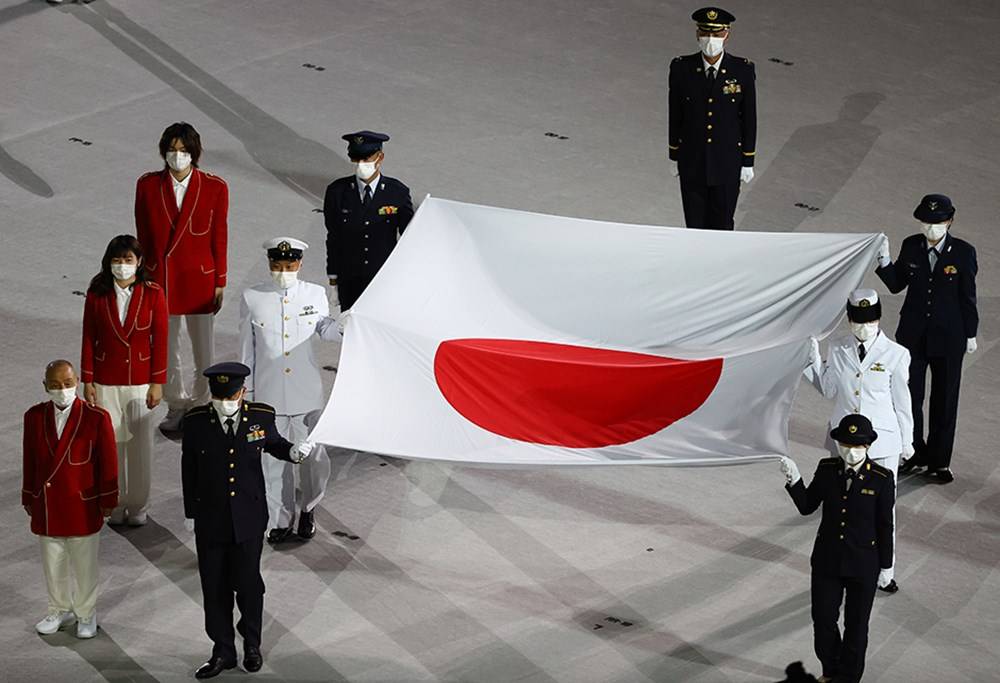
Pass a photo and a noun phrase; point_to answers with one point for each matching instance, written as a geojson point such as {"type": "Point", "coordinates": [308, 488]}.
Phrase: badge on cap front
{"type": "Point", "coordinates": [222, 379]}
{"type": "Point", "coordinates": [853, 429]}
{"type": "Point", "coordinates": [712, 14]}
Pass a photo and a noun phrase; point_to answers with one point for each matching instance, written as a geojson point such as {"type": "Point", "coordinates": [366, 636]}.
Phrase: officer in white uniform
{"type": "Point", "coordinates": [867, 373]}
{"type": "Point", "coordinates": [278, 321]}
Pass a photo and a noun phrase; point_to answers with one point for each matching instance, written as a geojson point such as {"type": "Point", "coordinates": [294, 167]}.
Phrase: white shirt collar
{"type": "Point", "coordinates": [182, 183]}
{"type": "Point", "coordinates": [856, 468]}
{"type": "Point", "coordinates": [939, 246]}
{"type": "Point", "coordinates": [373, 184]}
{"type": "Point", "coordinates": [718, 65]}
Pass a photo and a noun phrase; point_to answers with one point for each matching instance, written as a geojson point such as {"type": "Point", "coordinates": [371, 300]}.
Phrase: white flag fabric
{"type": "Point", "coordinates": [502, 337]}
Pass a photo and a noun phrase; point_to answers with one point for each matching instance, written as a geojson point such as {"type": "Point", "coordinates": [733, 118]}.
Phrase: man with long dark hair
{"type": "Point", "coordinates": [124, 365]}
{"type": "Point", "coordinates": [181, 222]}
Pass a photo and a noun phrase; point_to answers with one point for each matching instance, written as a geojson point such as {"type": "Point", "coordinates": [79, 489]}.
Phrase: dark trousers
{"type": "Point", "coordinates": [843, 658]}
{"type": "Point", "coordinates": [709, 206]}
{"type": "Point", "coordinates": [225, 569]}
{"type": "Point", "coordinates": [350, 288]}
{"type": "Point", "coordinates": [942, 415]}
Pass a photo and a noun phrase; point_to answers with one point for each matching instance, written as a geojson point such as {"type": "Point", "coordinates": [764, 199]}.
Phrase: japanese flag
{"type": "Point", "coordinates": [503, 337]}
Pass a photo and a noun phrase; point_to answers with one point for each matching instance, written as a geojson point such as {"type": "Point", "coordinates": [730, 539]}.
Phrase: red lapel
{"type": "Point", "coordinates": [69, 430]}
{"type": "Point", "coordinates": [124, 331]}
{"type": "Point", "coordinates": [187, 207]}
{"type": "Point", "coordinates": [167, 196]}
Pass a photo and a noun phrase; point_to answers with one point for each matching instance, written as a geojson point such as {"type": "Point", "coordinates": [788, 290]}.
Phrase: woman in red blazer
{"type": "Point", "coordinates": [181, 222]}
{"type": "Point", "coordinates": [124, 365]}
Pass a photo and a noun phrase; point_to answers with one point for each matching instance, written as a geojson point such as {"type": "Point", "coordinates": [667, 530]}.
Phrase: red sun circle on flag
{"type": "Point", "coordinates": [571, 396]}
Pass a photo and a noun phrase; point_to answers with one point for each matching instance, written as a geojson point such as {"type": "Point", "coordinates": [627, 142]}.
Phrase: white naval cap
{"type": "Point", "coordinates": [285, 248]}
{"type": "Point", "coordinates": [863, 306]}
{"type": "Point", "coordinates": [863, 298]}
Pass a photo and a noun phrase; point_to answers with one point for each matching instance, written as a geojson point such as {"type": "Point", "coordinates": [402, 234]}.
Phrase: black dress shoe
{"type": "Point", "coordinates": [943, 475]}
{"type": "Point", "coordinates": [280, 535]}
{"type": "Point", "coordinates": [890, 588]}
{"type": "Point", "coordinates": [214, 666]}
{"type": "Point", "coordinates": [252, 659]}
{"type": "Point", "coordinates": [307, 527]}
{"type": "Point", "coordinates": [911, 464]}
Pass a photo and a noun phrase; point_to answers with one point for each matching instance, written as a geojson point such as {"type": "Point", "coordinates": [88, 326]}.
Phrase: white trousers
{"type": "Point", "coordinates": [133, 424]}
{"type": "Point", "coordinates": [201, 331]}
{"type": "Point", "coordinates": [291, 485]}
{"type": "Point", "coordinates": [70, 566]}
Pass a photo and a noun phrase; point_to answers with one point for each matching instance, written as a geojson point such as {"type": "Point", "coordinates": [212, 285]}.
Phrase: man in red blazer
{"type": "Point", "coordinates": [70, 486]}
{"type": "Point", "coordinates": [181, 222]}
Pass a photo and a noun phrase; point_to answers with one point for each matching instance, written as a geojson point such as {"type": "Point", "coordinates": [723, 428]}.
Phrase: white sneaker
{"type": "Point", "coordinates": [54, 622]}
{"type": "Point", "coordinates": [117, 517]}
{"type": "Point", "coordinates": [137, 520]}
{"type": "Point", "coordinates": [87, 628]}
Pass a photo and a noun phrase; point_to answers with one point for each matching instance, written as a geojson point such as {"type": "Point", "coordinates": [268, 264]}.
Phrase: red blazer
{"type": "Point", "coordinates": [134, 353]}
{"type": "Point", "coordinates": [185, 250]}
{"type": "Point", "coordinates": [68, 481]}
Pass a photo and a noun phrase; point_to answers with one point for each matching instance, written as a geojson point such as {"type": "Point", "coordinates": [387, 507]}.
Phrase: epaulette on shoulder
{"type": "Point", "coordinates": [747, 60]}
{"type": "Point", "coordinates": [214, 177]}
{"type": "Point", "coordinates": [152, 285]}
{"type": "Point", "coordinates": [826, 462]}
{"type": "Point", "coordinates": [198, 410]}
{"type": "Point", "coordinates": [260, 407]}
{"type": "Point", "coordinates": [878, 469]}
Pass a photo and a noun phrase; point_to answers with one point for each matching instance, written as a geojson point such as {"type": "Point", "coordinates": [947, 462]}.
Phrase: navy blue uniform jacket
{"type": "Point", "coordinates": [939, 310]}
{"type": "Point", "coordinates": [221, 475]}
{"type": "Point", "coordinates": [359, 239]}
{"type": "Point", "coordinates": [855, 534]}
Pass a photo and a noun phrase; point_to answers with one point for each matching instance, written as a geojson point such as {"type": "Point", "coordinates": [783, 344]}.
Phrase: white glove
{"type": "Point", "coordinates": [746, 174]}
{"type": "Point", "coordinates": [884, 258]}
{"type": "Point", "coordinates": [334, 297]}
{"type": "Point", "coordinates": [885, 576]}
{"type": "Point", "coordinates": [815, 357]}
{"type": "Point", "coordinates": [189, 525]}
{"type": "Point", "coordinates": [790, 470]}
{"type": "Point", "coordinates": [674, 171]}
{"type": "Point", "coordinates": [301, 450]}
{"type": "Point", "coordinates": [971, 345]}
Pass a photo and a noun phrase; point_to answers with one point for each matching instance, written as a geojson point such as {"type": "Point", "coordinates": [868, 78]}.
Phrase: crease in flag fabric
{"type": "Point", "coordinates": [506, 338]}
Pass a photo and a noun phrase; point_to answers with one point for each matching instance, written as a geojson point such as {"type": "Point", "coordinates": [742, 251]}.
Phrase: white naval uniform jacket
{"type": "Point", "coordinates": [276, 331]}
{"type": "Point", "coordinates": [876, 388]}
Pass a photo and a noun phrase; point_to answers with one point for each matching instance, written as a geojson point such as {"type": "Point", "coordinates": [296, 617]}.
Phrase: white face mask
{"type": "Point", "coordinates": [284, 279]}
{"type": "Point", "coordinates": [852, 455]}
{"type": "Point", "coordinates": [123, 271]}
{"type": "Point", "coordinates": [711, 46]}
{"type": "Point", "coordinates": [62, 397]}
{"type": "Point", "coordinates": [179, 161]}
{"type": "Point", "coordinates": [934, 231]}
{"type": "Point", "coordinates": [226, 406]}
{"type": "Point", "coordinates": [864, 331]}
{"type": "Point", "coordinates": [366, 169]}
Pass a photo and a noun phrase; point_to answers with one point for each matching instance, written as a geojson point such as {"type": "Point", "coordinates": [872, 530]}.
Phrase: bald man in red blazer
{"type": "Point", "coordinates": [70, 475]}
{"type": "Point", "coordinates": [181, 221]}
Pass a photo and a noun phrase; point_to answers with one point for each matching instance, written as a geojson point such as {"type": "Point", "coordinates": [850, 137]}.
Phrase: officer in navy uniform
{"type": "Point", "coordinates": [713, 124]}
{"type": "Point", "coordinates": [938, 326]}
{"type": "Point", "coordinates": [364, 214]}
{"type": "Point", "coordinates": [224, 495]}
{"type": "Point", "coordinates": [853, 543]}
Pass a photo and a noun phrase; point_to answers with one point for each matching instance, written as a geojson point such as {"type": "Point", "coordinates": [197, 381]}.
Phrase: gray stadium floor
{"type": "Point", "coordinates": [471, 574]}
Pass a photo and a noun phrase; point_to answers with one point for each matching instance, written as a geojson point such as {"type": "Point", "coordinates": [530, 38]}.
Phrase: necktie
{"type": "Point", "coordinates": [932, 256]}
{"type": "Point", "coordinates": [711, 74]}
{"type": "Point", "coordinates": [368, 196]}
{"type": "Point", "coordinates": [850, 478]}
{"type": "Point", "coordinates": [861, 351]}
{"type": "Point", "coordinates": [229, 426]}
